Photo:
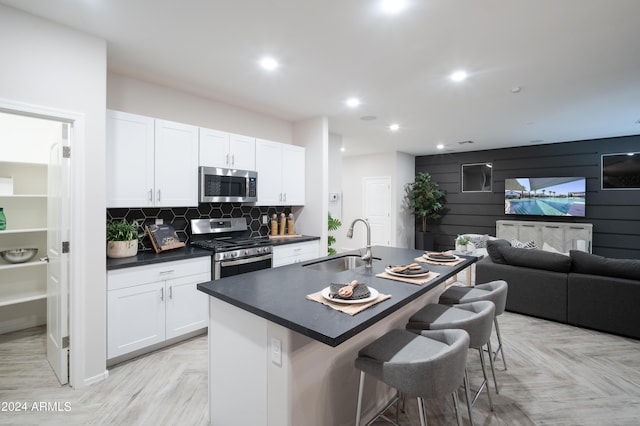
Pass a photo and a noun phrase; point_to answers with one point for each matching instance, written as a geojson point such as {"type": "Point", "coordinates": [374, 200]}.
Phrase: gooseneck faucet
{"type": "Point", "coordinates": [367, 257]}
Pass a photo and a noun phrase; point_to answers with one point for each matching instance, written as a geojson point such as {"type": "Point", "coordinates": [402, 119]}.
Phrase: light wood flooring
{"type": "Point", "coordinates": [557, 375]}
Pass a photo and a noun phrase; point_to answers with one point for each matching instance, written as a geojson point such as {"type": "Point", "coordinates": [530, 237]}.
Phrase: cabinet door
{"type": "Point", "coordinates": [529, 232]}
{"type": "Point", "coordinates": [187, 308]}
{"type": "Point", "coordinates": [176, 164]}
{"type": "Point", "coordinates": [294, 253]}
{"type": "Point", "coordinates": [242, 152]}
{"type": "Point", "coordinates": [553, 235]}
{"type": "Point", "coordinates": [507, 231]}
{"type": "Point", "coordinates": [135, 318]}
{"type": "Point", "coordinates": [293, 175]}
{"type": "Point", "coordinates": [578, 237]}
{"type": "Point", "coordinates": [214, 148]}
{"type": "Point", "coordinates": [269, 168]}
{"type": "Point", "coordinates": [130, 160]}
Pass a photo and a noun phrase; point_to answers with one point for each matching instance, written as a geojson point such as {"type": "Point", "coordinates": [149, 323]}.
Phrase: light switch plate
{"type": "Point", "coordinates": [276, 351]}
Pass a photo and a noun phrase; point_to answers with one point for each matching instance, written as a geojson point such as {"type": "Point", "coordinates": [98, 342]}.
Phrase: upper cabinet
{"type": "Point", "coordinates": [150, 162]}
{"type": "Point", "coordinates": [227, 150]}
{"type": "Point", "coordinates": [281, 173]}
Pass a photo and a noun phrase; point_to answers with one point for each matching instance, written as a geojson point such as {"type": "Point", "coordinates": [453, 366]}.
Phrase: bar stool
{"type": "Point", "coordinates": [426, 365]}
{"type": "Point", "coordinates": [475, 318]}
{"type": "Point", "coordinates": [495, 291]}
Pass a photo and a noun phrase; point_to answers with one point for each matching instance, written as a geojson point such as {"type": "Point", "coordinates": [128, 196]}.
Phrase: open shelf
{"type": "Point", "coordinates": [28, 296]}
{"type": "Point", "coordinates": [22, 231]}
{"type": "Point", "coordinates": [33, 263]}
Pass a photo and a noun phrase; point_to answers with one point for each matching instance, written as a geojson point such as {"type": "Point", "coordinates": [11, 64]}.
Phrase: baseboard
{"type": "Point", "coordinates": [96, 379]}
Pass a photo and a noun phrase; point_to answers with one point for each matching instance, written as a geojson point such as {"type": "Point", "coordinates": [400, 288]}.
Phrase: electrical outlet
{"type": "Point", "coordinates": [276, 351]}
{"type": "Point", "coordinates": [159, 221]}
{"type": "Point", "coordinates": [265, 219]}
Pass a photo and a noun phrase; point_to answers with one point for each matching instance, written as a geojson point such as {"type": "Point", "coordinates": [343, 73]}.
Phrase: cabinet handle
{"type": "Point", "coordinates": [233, 159]}
{"type": "Point", "coordinates": [170, 292]}
{"type": "Point", "coordinates": [158, 199]}
{"type": "Point", "coordinates": [169, 271]}
{"type": "Point", "coordinates": [528, 226]}
{"type": "Point", "coordinates": [281, 196]}
{"type": "Point", "coordinates": [162, 294]}
{"type": "Point", "coordinates": [576, 227]}
{"type": "Point", "coordinates": [227, 159]}
{"type": "Point", "coordinates": [151, 195]}
{"type": "Point", "coordinates": [285, 197]}
{"type": "Point", "coordinates": [552, 227]}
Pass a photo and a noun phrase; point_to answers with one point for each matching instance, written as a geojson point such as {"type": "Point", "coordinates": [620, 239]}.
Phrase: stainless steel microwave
{"type": "Point", "coordinates": [218, 185]}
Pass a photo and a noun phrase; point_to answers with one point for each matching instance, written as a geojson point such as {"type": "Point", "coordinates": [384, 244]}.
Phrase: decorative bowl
{"type": "Point", "coordinates": [20, 255]}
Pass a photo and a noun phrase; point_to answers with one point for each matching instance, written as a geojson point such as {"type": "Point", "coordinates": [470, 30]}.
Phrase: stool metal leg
{"type": "Point", "coordinates": [493, 371]}
{"type": "Point", "coordinates": [421, 411]}
{"type": "Point", "coordinates": [360, 391]}
{"type": "Point", "coordinates": [457, 408]}
{"type": "Point", "coordinates": [486, 378]}
{"type": "Point", "coordinates": [499, 348]}
{"type": "Point", "coordinates": [468, 396]}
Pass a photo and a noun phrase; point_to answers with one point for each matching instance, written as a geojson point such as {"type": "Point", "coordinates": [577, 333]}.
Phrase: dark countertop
{"type": "Point", "coordinates": [284, 240]}
{"type": "Point", "coordinates": [278, 294]}
{"type": "Point", "coordinates": [150, 257]}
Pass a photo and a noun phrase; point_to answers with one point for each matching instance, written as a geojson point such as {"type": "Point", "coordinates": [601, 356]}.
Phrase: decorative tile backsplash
{"type": "Point", "coordinates": [180, 217]}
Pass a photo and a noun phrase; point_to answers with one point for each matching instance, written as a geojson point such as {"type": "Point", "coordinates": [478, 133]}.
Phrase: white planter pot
{"type": "Point", "coordinates": [461, 248]}
{"type": "Point", "coordinates": [118, 249]}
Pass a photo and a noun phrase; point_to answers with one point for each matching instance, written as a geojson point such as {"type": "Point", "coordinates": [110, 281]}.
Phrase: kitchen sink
{"type": "Point", "coordinates": [338, 264]}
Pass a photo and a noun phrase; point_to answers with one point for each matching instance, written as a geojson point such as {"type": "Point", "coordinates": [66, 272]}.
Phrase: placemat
{"type": "Point", "coordinates": [350, 309]}
{"type": "Point", "coordinates": [435, 262]}
{"type": "Point", "coordinates": [410, 280]}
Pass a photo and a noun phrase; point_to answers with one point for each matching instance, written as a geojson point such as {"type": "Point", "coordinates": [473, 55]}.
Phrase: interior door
{"type": "Point", "coordinates": [377, 208]}
{"type": "Point", "coordinates": [58, 266]}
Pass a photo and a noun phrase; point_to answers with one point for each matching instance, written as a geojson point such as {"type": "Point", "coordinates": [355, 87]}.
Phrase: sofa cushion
{"type": "Point", "coordinates": [587, 263]}
{"type": "Point", "coordinates": [479, 241]}
{"type": "Point", "coordinates": [494, 253]}
{"type": "Point", "coordinates": [538, 259]}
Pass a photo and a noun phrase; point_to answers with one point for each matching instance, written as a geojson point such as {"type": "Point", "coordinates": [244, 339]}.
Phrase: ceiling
{"type": "Point", "coordinates": [539, 71]}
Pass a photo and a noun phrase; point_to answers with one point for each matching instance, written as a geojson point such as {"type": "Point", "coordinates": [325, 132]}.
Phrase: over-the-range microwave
{"type": "Point", "coordinates": [218, 185]}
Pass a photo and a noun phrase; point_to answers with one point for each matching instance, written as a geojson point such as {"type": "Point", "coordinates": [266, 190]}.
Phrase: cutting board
{"type": "Point", "coordinates": [285, 236]}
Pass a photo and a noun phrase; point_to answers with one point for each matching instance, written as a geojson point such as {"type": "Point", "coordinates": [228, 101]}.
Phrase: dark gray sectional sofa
{"type": "Point", "coordinates": [581, 289]}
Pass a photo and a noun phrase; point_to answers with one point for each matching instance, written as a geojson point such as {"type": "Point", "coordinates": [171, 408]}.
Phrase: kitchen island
{"type": "Point", "coordinates": [276, 358]}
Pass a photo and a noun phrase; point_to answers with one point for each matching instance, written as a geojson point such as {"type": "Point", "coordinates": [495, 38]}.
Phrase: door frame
{"type": "Point", "coordinates": [77, 313]}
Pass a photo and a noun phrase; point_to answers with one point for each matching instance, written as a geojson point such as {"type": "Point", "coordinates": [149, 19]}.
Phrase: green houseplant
{"type": "Point", "coordinates": [333, 224]}
{"type": "Point", "coordinates": [122, 238]}
{"type": "Point", "coordinates": [426, 201]}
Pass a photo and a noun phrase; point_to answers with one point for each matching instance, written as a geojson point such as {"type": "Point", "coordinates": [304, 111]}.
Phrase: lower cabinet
{"type": "Point", "coordinates": [287, 254]}
{"type": "Point", "coordinates": [147, 305]}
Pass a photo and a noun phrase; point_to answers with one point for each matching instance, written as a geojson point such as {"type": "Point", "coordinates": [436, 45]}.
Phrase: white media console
{"type": "Point", "coordinates": [559, 235]}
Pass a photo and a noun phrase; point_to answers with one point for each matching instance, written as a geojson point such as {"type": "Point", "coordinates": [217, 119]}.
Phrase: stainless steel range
{"type": "Point", "coordinates": [235, 251]}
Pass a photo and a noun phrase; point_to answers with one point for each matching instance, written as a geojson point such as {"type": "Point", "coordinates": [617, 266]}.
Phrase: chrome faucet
{"type": "Point", "coordinates": [367, 257]}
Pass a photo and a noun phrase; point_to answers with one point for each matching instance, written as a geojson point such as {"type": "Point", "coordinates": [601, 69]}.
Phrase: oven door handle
{"type": "Point", "coordinates": [246, 260]}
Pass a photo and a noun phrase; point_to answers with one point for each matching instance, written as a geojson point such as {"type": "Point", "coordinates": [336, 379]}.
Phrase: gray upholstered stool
{"type": "Point", "coordinates": [475, 318]}
{"type": "Point", "coordinates": [426, 365]}
{"type": "Point", "coordinates": [495, 291]}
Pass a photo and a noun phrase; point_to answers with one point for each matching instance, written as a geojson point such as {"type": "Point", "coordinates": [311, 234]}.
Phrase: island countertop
{"type": "Point", "coordinates": [279, 294]}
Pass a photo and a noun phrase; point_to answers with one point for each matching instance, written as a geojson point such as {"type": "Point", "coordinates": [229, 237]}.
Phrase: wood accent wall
{"type": "Point", "coordinates": [615, 214]}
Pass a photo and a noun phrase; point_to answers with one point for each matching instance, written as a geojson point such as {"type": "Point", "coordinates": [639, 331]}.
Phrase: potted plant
{"type": "Point", "coordinates": [461, 243]}
{"type": "Point", "coordinates": [333, 225]}
{"type": "Point", "coordinates": [122, 238]}
{"type": "Point", "coordinates": [426, 201]}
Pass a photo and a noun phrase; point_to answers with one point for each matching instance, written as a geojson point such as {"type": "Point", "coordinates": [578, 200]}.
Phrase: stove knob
{"type": "Point", "coordinates": [246, 252]}
{"type": "Point", "coordinates": [235, 254]}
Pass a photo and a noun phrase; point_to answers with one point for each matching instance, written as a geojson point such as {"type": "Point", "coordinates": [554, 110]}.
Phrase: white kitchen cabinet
{"type": "Point", "coordinates": [287, 254]}
{"type": "Point", "coordinates": [281, 173]}
{"type": "Point", "coordinates": [150, 163]}
{"type": "Point", "coordinates": [226, 150]}
{"type": "Point", "coordinates": [23, 286]}
{"type": "Point", "coordinates": [562, 236]}
{"type": "Point", "coordinates": [148, 305]}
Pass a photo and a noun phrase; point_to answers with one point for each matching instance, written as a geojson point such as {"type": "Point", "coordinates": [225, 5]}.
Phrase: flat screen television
{"type": "Point", "coordinates": [553, 196]}
{"type": "Point", "coordinates": [621, 171]}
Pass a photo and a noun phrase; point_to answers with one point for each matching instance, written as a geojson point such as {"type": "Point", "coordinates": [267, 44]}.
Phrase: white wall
{"type": "Point", "coordinates": [144, 98]}
{"type": "Point", "coordinates": [51, 66]}
{"type": "Point", "coordinates": [401, 168]}
{"type": "Point", "coordinates": [26, 139]}
{"type": "Point", "coordinates": [313, 134]}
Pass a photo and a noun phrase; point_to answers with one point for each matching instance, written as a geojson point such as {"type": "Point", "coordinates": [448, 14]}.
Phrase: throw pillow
{"type": "Point", "coordinates": [551, 249]}
{"type": "Point", "coordinates": [494, 253]}
{"type": "Point", "coordinates": [480, 242]}
{"type": "Point", "coordinates": [519, 244]}
{"type": "Point", "coordinates": [587, 263]}
{"type": "Point", "coordinates": [536, 259]}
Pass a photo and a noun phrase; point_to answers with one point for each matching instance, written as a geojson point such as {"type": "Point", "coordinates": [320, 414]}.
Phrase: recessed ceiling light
{"type": "Point", "coordinates": [342, 149]}
{"type": "Point", "coordinates": [458, 76]}
{"type": "Point", "coordinates": [353, 102]}
{"type": "Point", "coordinates": [268, 63]}
{"type": "Point", "coordinates": [516, 89]}
{"type": "Point", "coordinates": [394, 127]}
{"type": "Point", "coordinates": [391, 7]}
{"type": "Point", "coordinates": [440, 146]}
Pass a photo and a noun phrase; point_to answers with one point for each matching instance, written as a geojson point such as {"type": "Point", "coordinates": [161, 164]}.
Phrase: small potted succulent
{"type": "Point", "coordinates": [462, 242]}
{"type": "Point", "coordinates": [122, 238]}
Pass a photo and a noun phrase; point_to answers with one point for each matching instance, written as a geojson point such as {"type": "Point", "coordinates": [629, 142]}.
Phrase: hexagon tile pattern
{"type": "Point", "coordinates": [180, 217]}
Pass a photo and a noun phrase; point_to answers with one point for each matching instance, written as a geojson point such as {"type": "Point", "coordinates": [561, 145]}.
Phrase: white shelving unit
{"type": "Point", "coordinates": [23, 286]}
